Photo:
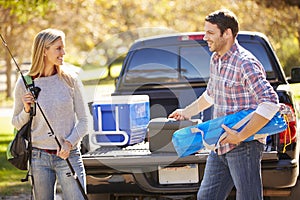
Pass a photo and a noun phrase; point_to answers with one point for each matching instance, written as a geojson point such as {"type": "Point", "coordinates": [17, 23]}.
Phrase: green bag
{"type": "Point", "coordinates": [18, 150]}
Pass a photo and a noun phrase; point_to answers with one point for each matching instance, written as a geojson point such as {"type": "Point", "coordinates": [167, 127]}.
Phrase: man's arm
{"type": "Point", "coordinates": [202, 103]}
{"type": "Point", "coordinates": [261, 116]}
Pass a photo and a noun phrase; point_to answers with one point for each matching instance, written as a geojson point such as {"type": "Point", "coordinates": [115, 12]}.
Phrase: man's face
{"type": "Point", "coordinates": [215, 41]}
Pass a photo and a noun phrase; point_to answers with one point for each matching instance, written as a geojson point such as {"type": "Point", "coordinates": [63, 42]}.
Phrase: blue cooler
{"type": "Point", "coordinates": [120, 120]}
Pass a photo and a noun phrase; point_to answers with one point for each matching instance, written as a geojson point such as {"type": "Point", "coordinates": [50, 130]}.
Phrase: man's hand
{"type": "Point", "coordinates": [177, 114]}
{"type": "Point", "coordinates": [232, 136]}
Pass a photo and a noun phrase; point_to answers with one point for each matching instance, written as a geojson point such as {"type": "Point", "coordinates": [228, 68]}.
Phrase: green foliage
{"type": "Point", "coordinates": [288, 51]}
{"type": "Point", "coordinates": [100, 31]}
{"type": "Point", "coordinates": [25, 10]}
{"type": "Point", "coordinates": [292, 60]}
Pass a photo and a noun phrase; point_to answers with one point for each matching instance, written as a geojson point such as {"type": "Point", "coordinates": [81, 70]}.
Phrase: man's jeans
{"type": "Point", "coordinates": [241, 167]}
{"type": "Point", "coordinates": [47, 167]}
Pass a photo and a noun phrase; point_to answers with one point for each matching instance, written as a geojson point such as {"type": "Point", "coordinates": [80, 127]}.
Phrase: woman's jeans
{"type": "Point", "coordinates": [47, 167]}
{"type": "Point", "coordinates": [240, 167]}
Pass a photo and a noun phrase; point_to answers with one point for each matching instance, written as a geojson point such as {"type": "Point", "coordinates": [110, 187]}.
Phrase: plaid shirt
{"type": "Point", "coordinates": [237, 82]}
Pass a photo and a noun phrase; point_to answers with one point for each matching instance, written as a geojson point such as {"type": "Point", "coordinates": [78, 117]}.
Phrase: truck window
{"type": "Point", "coordinates": [163, 65]}
{"type": "Point", "coordinates": [152, 65]}
{"type": "Point", "coordinates": [155, 65]}
{"type": "Point", "coordinates": [194, 62]}
{"type": "Point", "coordinates": [261, 54]}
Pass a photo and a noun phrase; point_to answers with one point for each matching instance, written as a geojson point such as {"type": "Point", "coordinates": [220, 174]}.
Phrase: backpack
{"type": "Point", "coordinates": [19, 149]}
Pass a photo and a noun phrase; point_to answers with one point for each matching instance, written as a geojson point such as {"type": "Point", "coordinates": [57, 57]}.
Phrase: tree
{"type": "Point", "coordinates": [282, 26]}
{"type": "Point", "coordinates": [92, 26]}
{"type": "Point", "coordinates": [16, 18]}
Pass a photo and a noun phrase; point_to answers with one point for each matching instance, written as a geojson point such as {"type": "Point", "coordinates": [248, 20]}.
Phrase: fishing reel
{"type": "Point", "coordinates": [35, 91]}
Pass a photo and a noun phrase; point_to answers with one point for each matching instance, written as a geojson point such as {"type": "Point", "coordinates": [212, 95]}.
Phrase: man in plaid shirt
{"type": "Point", "coordinates": [237, 82]}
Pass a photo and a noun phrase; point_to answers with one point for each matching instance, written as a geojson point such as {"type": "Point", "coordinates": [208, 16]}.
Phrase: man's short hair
{"type": "Point", "coordinates": [224, 19]}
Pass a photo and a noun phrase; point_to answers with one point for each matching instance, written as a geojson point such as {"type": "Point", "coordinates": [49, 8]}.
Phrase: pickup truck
{"type": "Point", "coordinates": [173, 71]}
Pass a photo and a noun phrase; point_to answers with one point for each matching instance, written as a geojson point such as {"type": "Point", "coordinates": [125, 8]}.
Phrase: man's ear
{"type": "Point", "coordinates": [228, 33]}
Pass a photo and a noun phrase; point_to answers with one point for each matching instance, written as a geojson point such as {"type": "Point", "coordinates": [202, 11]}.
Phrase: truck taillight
{"type": "Point", "coordinates": [288, 136]}
{"type": "Point", "coordinates": [191, 37]}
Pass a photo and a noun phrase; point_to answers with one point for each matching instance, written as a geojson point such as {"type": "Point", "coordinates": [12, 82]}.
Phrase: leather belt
{"type": "Point", "coordinates": [49, 151]}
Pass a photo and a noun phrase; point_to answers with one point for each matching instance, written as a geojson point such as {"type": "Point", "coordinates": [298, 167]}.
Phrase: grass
{"type": "Point", "coordinates": [9, 175]}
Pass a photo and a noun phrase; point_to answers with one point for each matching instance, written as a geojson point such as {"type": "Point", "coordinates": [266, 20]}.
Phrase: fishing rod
{"type": "Point", "coordinates": [34, 91]}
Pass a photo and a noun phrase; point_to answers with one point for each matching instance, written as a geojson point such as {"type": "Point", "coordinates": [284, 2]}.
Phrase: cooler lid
{"type": "Point", "coordinates": [122, 99]}
{"type": "Point", "coordinates": [169, 123]}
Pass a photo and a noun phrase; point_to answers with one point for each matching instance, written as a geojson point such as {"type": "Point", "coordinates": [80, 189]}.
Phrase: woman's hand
{"type": "Point", "coordinates": [27, 100]}
{"type": "Point", "coordinates": [64, 152]}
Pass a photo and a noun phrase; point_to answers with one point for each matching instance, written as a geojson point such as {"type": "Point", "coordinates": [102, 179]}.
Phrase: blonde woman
{"type": "Point", "coordinates": [61, 99]}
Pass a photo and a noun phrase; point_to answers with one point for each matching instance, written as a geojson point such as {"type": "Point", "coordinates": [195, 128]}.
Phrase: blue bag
{"type": "Point", "coordinates": [191, 139]}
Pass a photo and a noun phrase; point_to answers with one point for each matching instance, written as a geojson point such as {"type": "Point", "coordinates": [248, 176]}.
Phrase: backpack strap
{"type": "Point", "coordinates": [31, 87]}
{"type": "Point", "coordinates": [28, 80]}
{"type": "Point", "coordinates": [30, 83]}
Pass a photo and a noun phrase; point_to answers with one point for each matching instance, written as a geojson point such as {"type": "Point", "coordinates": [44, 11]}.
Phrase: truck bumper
{"type": "Point", "coordinates": [139, 174]}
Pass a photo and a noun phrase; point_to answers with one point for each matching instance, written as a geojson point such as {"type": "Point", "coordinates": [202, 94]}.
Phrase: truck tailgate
{"type": "Point", "coordinates": [136, 156]}
{"type": "Point", "coordinates": [140, 156]}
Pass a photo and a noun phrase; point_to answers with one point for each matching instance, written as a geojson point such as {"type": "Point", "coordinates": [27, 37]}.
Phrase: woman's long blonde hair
{"type": "Point", "coordinates": [43, 40]}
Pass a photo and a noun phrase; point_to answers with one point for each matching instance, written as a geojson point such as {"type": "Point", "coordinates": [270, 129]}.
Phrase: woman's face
{"type": "Point", "coordinates": [54, 54]}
